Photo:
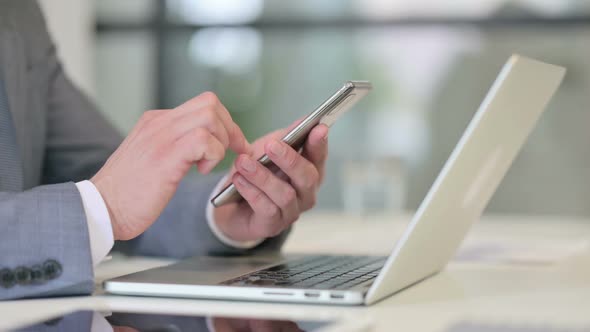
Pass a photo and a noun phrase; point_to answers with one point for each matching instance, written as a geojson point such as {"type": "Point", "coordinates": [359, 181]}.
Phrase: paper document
{"type": "Point", "coordinates": [511, 327]}
{"type": "Point", "coordinates": [520, 252]}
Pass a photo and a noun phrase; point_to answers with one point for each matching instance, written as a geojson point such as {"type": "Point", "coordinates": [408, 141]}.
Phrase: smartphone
{"type": "Point", "coordinates": [327, 113]}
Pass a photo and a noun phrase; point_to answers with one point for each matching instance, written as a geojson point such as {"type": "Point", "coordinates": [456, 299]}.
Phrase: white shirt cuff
{"type": "Point", "coordinates": [218, 233]}
{"type": "Point", "coordinates": [210, 325]}
{"type": "Point", "coordinates": [99, 223]}
{"type": "Point", "coordinates": [100, 324]}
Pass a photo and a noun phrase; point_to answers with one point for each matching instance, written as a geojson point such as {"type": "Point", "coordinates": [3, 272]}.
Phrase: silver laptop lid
{"type": "Point", "coordinates": [471, 174]}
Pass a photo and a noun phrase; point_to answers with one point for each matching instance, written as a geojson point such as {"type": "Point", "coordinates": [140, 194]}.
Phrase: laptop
{"type": "Point", "coordinates": [457, 198]}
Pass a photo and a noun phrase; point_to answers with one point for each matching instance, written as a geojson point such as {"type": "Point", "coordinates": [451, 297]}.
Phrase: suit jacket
{"type": "Point", "coordinates": [62, 139]}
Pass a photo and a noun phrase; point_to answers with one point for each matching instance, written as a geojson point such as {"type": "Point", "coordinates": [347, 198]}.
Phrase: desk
{"type": "Point", "coordinates": [555, 293]}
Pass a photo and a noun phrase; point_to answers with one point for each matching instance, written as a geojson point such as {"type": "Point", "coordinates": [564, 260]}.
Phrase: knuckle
{"type": "Point", "coordinates": [147, 119]}
{"type": "Point", "coordinates": [148, 115]}
{"type": "Point", "coordinates": [310, 181]}
{"type": "Point", "coordinates": [291, 220]}
{"type": "Point", "coordinates": [308, 204]}
{"type": "Point", "coordinates": [314, 177]}
{"type": "Point", "coordinates": [291, 159]}
{"type": "Point", "coordinates": [234, 132]}
{"type": "Point", "coordinates": [272, 229]}
{"type": "Point", "coordinates": [258, 199]}
{"type": "Point", "coordinates": [289, 196]}
{"type": "Point", "coordinates": [208, 115]}
{"type": "Point", "coordinates": [200, 135]}
{"type": "Point", "coordinates": [209, 97]}
{"type": "Point", "coordinates": [271, 210]}
{"type": "Point", "coordinates": [217, 151]}
{"type": "Point", "coordinates": [264, 177]}
{"type": "Point", "coordinates": [162, 152]}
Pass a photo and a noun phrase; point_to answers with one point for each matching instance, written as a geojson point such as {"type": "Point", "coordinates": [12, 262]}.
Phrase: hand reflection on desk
{"type": "Point", "coordinates": [124, 329]}
{"type": "Point", "coordinates": [130, 322]}
{"type": "Point", "coordinates": [253, 325]}
{"type": "Point", "coordinates": [161, 323]}
{"type": "Point", "coordinates": [230, 325]}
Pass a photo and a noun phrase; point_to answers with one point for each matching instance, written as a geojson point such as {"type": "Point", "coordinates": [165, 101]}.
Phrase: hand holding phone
{"type": "Point", "coordinates": [327, 113]}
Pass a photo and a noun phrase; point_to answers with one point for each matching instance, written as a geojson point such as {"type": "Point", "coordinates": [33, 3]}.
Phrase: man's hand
{"type": "Point", "coordinates": [142, 175]}
{"type": "Point", "coordinates": [272, 202]}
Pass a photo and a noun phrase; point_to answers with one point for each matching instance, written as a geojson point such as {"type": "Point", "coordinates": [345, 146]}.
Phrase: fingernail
{"type": "Point", "coordinates": [248, 165]}
{"type": "Point", "coordinates": [276, 148]}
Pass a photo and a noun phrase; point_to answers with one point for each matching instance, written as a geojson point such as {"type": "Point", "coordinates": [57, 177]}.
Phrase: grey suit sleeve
{"type": "Point", "coordinates": [80, 321]}
{"type": "Point", "coordinates": [182, 229]}
{"type": "Point", "coordinates": [79, 138]}
{"type": "Point", "coordinates": [44, 240]}
{"type": "Point", "coordinates": [44, 224]}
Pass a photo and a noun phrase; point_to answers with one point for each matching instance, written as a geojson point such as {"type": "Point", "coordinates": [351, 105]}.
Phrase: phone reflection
{"type": "Point", "coordinates": [131, 322]}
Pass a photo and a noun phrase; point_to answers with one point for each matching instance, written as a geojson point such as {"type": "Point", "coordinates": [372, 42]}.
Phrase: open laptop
{"type": "Point", "coordinates": [456, 199]}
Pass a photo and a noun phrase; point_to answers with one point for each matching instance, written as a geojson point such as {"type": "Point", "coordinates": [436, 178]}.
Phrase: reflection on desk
{"type": "Point", "coordinates": [81, 321]}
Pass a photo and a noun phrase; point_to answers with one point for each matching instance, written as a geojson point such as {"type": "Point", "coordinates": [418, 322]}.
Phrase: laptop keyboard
{"type": "Point", "coordinates": [320, 272]}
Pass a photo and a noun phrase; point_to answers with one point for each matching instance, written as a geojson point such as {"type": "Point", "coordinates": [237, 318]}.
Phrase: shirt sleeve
{"type": "Point", "coordinates": [101, 232]}
{"type": "Point", "coordinates": [218, 233]}
{"type": "Point", "coordinates": [99, 222]}
{"type": "Point", "coordinates": [210, 325]}
{"type": "Point", "coordinates": [100, 324]}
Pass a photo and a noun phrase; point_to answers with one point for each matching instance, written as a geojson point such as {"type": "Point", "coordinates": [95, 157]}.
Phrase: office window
{"type": "Point", "coordinates": [431, 63]}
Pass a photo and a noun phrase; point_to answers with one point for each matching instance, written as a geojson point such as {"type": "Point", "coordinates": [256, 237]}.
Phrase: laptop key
{"type": "Point", "coordinates": [316, 272]}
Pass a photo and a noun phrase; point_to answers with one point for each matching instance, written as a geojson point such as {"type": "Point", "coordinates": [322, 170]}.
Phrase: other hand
{"type": "Point", "coordinates": [273, 201]}
{"type": "Point", "coordinates": [142, 175]}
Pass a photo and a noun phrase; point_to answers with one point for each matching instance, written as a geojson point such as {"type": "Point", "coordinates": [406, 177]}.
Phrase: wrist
{"type": "Point", "coordinates": [103, 188]}
{"type": "Point", "coordinates": [232, 230]}
{"type": "Point", "coordinates": [222, 219]}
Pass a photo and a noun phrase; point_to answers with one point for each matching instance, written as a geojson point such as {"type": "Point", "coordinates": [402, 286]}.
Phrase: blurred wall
{"type": "Point", "coordinates": [429, 80]}
{"type": "Point", "coordinates": [71, 23]}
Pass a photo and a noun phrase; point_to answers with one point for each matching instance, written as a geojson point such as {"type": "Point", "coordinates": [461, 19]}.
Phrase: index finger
{"type": "Point", "coordinates": [237, 140]}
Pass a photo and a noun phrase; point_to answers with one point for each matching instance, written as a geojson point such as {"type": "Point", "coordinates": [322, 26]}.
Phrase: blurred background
{"type": "Point", "coordinates": [431, 63]}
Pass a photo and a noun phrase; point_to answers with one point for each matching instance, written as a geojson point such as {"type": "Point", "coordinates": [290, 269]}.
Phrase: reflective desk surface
{"type": "Point", "coordinates": [511, 270]}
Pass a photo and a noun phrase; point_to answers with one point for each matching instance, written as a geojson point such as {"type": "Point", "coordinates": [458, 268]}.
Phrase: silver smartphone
{"type": "Point", "coordinates": [327, 113]}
